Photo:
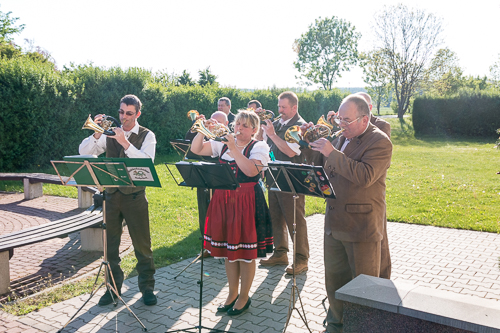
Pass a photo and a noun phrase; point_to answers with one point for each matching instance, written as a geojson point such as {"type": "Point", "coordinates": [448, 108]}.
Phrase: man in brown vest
{"type": "Point", "coordinates": [129, 203]}
{"type": "Point", "coordinates": [281, 203]}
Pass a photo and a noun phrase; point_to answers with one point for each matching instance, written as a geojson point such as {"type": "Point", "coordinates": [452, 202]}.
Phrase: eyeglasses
{"type": "Point", "coordinates": [128, 113]}
{"type": "Point", "coordinates": [345, 123]}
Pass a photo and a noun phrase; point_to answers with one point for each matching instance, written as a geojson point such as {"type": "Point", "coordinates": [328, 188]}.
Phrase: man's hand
{"type": "Point", "coordinates": [323, 146]}
{"type": "Point", "coordinates": [330, 117]}
{"type": "Point", "coordinates": [120, 137]}
{"type": "Point", "coordinates": [269, 128]}
{"type": "Point", "coordinates": [98, 121]}
{"type": "Point", "coordinates": [305, 127]}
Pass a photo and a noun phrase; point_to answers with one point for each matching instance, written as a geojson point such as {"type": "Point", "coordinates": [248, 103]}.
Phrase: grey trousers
{"type": "Point", "coordinates": [343, 262]}
{"type": "Point", "coordinates": [281, 208]}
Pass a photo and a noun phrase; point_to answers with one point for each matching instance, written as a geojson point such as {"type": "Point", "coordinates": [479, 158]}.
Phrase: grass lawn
{"type": "Point", "coordinates": [433, 180]}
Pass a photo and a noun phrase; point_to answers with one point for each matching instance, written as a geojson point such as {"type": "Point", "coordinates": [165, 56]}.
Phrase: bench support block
{"type": "Point", "coordinates": [84, 198]}
{"type": "Point", "coordinates": [91, 239]}
{"type": "Point", "coordinates": [32, 190]}
{"type": "Point", "coordinates": [4, 272]}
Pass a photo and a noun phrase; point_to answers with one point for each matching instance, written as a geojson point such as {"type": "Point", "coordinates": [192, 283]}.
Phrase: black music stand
{"type": "Point", "coordinates": [211, 176]}
{"type": "Point", "coordinates": [299, 179]}
{"type": "Point", "coordinates": [182, 147]}
{"type": "Point", "coordinates": [110, 172]}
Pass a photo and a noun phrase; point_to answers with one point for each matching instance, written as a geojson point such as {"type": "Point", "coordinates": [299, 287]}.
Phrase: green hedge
{"type": "Point", "coordinates": [471, 115]}
{"type": "Point", "coordinates": [44, 109]}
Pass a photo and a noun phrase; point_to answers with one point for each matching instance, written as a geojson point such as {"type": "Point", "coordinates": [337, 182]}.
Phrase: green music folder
{"type": "Point", "coordinates": [111, 172]}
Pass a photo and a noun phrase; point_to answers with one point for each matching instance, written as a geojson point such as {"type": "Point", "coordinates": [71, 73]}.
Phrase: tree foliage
{"type": "Point", "coordinates": [8, 27]}
{"type": "Point", "coordinates": [408, 39]}
{"type": "Point", "coordinates": [328, 48]}
{"type": "Point", "coordinates": [495, 73]}
{"type": "Point", "coordinates": [185, 79]}
{"type": "Point", "coordinates": [206, 77]}
{"type": "Point", "coordinates": [443, 77]}
{"type": "Point", "coordinates": [376, 76]}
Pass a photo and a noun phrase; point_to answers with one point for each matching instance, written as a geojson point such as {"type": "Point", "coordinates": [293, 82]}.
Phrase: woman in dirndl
{"type": "Point", "coordinates": [238, 224]}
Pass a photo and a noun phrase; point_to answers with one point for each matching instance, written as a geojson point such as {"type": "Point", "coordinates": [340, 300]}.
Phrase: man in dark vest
{"type": "Point", "coordinates": [280, 203]}
{"type": "Point", "coordinates": [129, 203]}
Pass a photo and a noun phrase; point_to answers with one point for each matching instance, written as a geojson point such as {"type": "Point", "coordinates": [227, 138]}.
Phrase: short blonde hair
{"type": "Point", "coordinates": [248, 118]}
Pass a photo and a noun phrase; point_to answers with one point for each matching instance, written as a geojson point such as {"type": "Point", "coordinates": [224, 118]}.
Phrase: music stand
{"type": "Point", "coordinates": [88, 170]}
{"type": "Point", "coordinates": [182, 147]}
{"type": "Point", "coordinates": [211, 176]}
{"type": "Point", "coordinates": [299, 179]}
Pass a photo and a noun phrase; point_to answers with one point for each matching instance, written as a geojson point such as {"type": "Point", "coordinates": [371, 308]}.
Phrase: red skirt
{"type": "Point", "coordinates": [230, 230]}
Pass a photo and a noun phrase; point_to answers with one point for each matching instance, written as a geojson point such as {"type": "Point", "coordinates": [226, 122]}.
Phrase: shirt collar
{"type": "Point", "coordinates": [134, 129]}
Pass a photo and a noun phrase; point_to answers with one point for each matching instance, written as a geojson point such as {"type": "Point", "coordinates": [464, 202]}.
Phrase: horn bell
{"type": "Point", "coordinates": [91, 125]}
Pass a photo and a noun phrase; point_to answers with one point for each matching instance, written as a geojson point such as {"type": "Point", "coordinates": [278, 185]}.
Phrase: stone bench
{"type": "Point", "coordinates": [379, 305]}
{"type": "Point", "coordinates": [83, 222]}
{"type": "Point", "coordinates": [33, 186]}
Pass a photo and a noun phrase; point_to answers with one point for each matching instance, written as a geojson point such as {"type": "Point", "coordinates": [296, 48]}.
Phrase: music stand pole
{"type": "Point", "coordinates": [295, 289]}
{"type": "Point", "coordinates": [107, 268]}
{"type": "Point", "coordinates": [230, 182]}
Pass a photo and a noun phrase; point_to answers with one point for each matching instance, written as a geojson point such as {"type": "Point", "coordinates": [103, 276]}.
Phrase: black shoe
{"type": "Point", "coordinates": [235, 312]}
{"type": "Point", "coordinates": [107, 299]}
{"type": "Point", "coordinates": [149, 298]}
{"type": "Point", "coordinates": [224, 308]}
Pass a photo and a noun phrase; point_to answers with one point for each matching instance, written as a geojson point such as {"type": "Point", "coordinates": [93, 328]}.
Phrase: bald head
{"type": "Point", "coordinates": [220, 116]}
{"type": "Point", "coordinates": [367, 98]}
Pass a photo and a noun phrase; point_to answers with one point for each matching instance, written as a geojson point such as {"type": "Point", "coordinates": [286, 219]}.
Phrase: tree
{"type": "Point", "coordinates": [444, 76]}
{"type": "Point", "coordinates": [495, 73]}
{"type": "Point", "coordinates": [8, 27]}
{"type": "Point", "coordinates": [408, 39]}
{"type": "Point", "coordinates": [185, 79]}
{"type": "Point", "coordinates": [376, 76]}
{"type": "Point", "coordinates": [206, 77]}
{"type": "Point", "coordinates": [328, 48]}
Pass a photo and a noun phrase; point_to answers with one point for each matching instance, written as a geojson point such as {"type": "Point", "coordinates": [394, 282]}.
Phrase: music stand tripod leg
{"type": "Point", "coordinates": [107, 270]}
{"type": "Point", "coordinates": [295, 289]}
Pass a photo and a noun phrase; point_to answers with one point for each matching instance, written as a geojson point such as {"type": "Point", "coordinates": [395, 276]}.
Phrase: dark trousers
{"type": "Point", "coordinates": [343, 262]}
{"type": "Point", "coordinates": [281, 209]}
{"type": "Point", "coordinates": [134, 209]}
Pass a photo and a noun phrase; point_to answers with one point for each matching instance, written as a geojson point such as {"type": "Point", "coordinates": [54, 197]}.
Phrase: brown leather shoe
{"type": "Point", "coordinates": [300, 268]}
{"type": "Point", "coordinates": [275, 260]}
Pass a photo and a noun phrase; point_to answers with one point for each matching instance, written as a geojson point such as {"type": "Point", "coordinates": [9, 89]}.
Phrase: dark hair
{"type": "Point", "coordinates": [290, 96]}
{"type": "Point", "coordinates": [256, 102]}
{"type": "Point", "coordinates": [225, 99]}
{"type": "Point", "coordinates": [132, 100]}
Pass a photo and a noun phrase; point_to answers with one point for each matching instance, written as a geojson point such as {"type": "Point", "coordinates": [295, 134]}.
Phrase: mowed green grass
{"type": "Point", "coordinates": [432, 180]}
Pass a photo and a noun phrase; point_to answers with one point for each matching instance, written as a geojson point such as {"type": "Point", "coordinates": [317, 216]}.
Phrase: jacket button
{"type": "Point", "coordinates": [331, 175]}
{"type": "Point", "coordinates": [329, 167]}
{"type": "Point", "coordinates": [331, 208]}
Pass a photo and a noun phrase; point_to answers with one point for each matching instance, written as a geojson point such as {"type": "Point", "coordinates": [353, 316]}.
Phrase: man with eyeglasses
{"type": "Point", "coordinates": [356, 164]}
{"type": "Point", "coordinates": [129, 203]}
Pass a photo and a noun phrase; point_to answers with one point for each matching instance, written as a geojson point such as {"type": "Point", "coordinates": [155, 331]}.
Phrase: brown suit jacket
{"type": "Point", "coordinates": [382, 124]}
{"type": "Point", "coordinates": [358, 177]}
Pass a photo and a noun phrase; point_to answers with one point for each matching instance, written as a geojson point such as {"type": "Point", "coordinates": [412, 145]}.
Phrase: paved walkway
{"type": "Point", "coordinates": [464, 262]}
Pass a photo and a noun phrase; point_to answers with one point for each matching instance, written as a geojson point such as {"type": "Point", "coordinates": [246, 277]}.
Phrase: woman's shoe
{"type": "Point", "coordinates": [235, 312]}
{"type": "Point", "coordinates": [224, 308]}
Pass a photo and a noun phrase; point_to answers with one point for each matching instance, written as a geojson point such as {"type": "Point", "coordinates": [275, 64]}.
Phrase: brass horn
{"type": "Point", "coordinates": [264, 115]}
{"type": "Point", "coordinates": [220, 130]}
{"type": "Point", "coordinates": [193, 114]}
{"type": "Point", "coordinates": [293, 135]}
{"type": "Point", "coordinates": [107, 123]}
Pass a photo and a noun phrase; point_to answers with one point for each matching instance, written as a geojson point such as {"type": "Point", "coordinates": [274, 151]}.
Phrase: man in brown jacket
{"type": "Point", "coordinates": [356, 164]}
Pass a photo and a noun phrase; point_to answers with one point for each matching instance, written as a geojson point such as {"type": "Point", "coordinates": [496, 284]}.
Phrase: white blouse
{"type": "Point", "coordinates": [260, 151]}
